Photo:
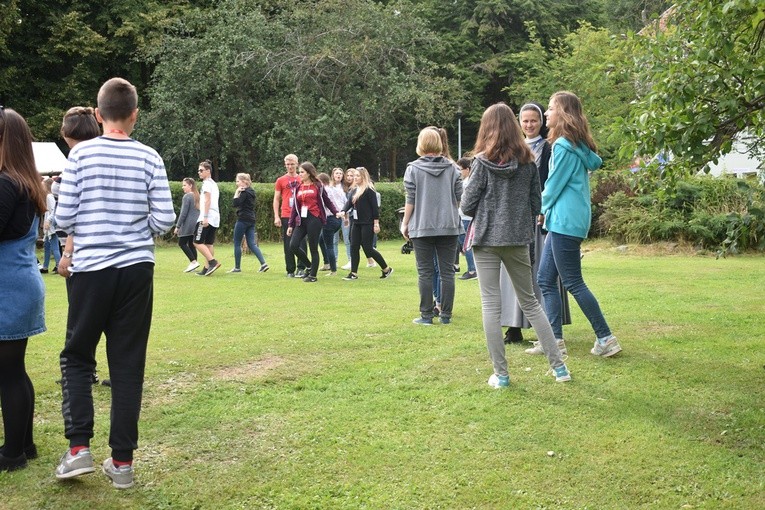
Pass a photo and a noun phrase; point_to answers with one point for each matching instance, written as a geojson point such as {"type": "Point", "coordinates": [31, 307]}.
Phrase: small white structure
{"type": "Point", "coordinates": [738, 161]}
{"type": "Point", "coordinates": [48, 158]}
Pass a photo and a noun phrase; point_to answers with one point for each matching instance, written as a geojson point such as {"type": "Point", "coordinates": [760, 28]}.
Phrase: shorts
{"type": "Point", "coordinates": [204, 235]}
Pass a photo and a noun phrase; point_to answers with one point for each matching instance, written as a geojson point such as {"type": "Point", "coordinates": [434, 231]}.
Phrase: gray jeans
{"type": "Point", "coordinates": [444, 248]}
{"type": "Point", "coordinates": [518, 265]}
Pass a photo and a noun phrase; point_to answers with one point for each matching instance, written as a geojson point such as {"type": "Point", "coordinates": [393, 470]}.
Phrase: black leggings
{"type": "Point", "coordinates": [362, 236]}
{"type": "Point", "coordinates": [310, 227]}
{"type": "Point", "coordinates": [17, 396]}
{"type": "Point", "coordinates": [187, 245]}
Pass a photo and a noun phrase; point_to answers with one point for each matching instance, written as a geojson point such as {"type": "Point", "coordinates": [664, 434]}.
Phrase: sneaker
{"type": "Point", "coordinates": [214, 265]}
{"type": "Point", "coordinates": [346, 267]}
{"type": "Point", "coordinates": [309, 279]}
{"type": "Point", "coordinates": [606, 349]}
{"type": "Point", "coordinates": [467, 275]}
{"type": "Point", "coordinates": [499, 381]}
{"type": "Point", "coordinates": [350, 277]}
{"type": "Point", "coordinates": [372, 264]}
{"type": "Point", "coordinates": [44, 270]}
{"type": "Point", "coordinates": [75, 465]}
{"type": "Point", "coordinates": [300, 273]}
{"type": "Point", "coordinates": [422, 321]}
{"type": "Point", "coordinates": [331, 273]}
{"type": "Point", "coordinates": [561, 373]}
{"type": "Point", "coordinates": [445, 320]}
{"type": "Point", "coordinates": [203, 272]}
{"type": "Point", "coordinates": [106, 382]}
{"type": "Point", "coordinates": [121, 477]}
{"type": "Point", "coordinates": [536, 348]}
{"type": "Point", "coordinates": [263, 268]}
{"type": "Point", "coordinates": [235, 270]}
{"type": "Point", "coordinates": [94, 378]}
{"type": "Point", "coordinates": [386, 274]}
{"type": "Point", "coordinates": [325, 267]}
{"type": "Point", "coordinates": [456, 268]}
{"type": "Point", "coordinates": [290, 275]}
{"type": "Point", "coordinates": [192, 266]}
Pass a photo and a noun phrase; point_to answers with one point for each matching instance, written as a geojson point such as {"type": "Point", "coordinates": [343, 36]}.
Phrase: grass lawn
{"type": "Point", "coordinates": [264, 392]}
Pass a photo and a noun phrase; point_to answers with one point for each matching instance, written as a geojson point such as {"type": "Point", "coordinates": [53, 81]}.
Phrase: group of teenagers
{"type": "Point", "coordinates": [114, 199]}
{"type": "Point", "coordinates": [525, 204]}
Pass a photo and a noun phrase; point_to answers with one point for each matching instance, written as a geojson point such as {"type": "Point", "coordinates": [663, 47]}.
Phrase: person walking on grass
{"type": "Point", "coordinates": [331, 228]}
{"type": "Point", "coordinates": [209, 219]}
{"type": "Point", "coordinates": [503, 198]}
{"type": "Point", "coordinates": [567, 217]}
{"type": "Point", "coordinates": [111, 287]}
{"type": "Point", "coordinates": [22, 200]}
{"type": "Point", "coordinates": [187, 220]}
{"type": "Point", "coordinates": [431, 220]}
{"type": "Point", "coordinates": [308, 218]}
{"type": "Point", "coordinates": [284, 196]}
{"type": "Point", "coordinates": [244, 228]}
{"type": "Point", "coordinates": [364, 213]}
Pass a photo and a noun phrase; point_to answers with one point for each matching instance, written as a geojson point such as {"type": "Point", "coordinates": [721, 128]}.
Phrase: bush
{"type": "Point", "coordinates": [391, 194]}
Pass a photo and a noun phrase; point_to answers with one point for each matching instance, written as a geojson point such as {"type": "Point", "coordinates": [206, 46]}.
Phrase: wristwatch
{"type": "Point", "coordinates": [67, 255]}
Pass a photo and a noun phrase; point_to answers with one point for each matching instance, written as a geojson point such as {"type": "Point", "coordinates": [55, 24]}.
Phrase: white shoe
{"type": "Point", "coordinates": [371, 264]}
{"type": "Point", "coordinates": [192, 266]}
{"type": "Point", "coordinates": [346, 267]}
{"type": "Point", "coordinates": [536, 348]}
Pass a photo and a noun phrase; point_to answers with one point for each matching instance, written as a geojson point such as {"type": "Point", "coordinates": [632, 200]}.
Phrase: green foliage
{"type": "Point", "coordinates": [702, 80]}
{"type": "Point", "coordinates": [391, 195]}
{"type": "Point", "coordinates": [707, 212]}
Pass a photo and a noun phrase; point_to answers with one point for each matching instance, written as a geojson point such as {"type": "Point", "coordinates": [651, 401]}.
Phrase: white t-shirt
{"type": "Point", "coordinates": [209, 192]}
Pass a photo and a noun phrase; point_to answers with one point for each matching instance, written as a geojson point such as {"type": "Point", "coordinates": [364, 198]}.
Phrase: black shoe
{"type": "Point", "coordinates": [309, 279]}
{"type": "Point", "coordinates": [44, 270]}
{"type": "Point", "coordinates": [513, 336]}
{"type": "Point", "coordinates": [29, 451]}
{"type": "Point", "coordinates": [203, 272]}
{"type": "Point", "coordinates": [386, 274]}
{"type": "Point", "coordinates": [12, 463]}
{"type": "Point", "coordinates": [106, 382]}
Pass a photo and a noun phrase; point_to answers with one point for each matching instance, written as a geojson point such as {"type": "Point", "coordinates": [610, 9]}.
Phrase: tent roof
{"type": "Point", "coordinates": [48, 158]}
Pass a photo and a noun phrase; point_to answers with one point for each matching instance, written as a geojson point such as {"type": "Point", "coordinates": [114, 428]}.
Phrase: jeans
{"type": "Point", "coordinates": [442, 248]}
{"type": "Point", "coordinates": [50, 244]}
{"type": "Point", "coordinates": [347, 240]}
{"type": "Point", "coordinates": [329, 234]}
{"type": "Point", "coordinates": [489, 261]}
{"type": "Point", "coordinates": [468, 254]}
{"type": "Point", "coordinates": [245, 230]}
{"type": "Point", "coordinates": [562, 255]}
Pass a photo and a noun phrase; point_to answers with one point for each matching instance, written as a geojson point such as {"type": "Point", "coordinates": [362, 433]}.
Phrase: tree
{"type": "Point", "coordinates": [702, 78]}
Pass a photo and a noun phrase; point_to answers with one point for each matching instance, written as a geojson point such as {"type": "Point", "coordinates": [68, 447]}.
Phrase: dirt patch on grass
{"type": "Point", "coordinates": [256, 369]}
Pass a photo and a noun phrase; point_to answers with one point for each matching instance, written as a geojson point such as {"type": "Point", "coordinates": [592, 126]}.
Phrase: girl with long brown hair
{"type": "Point", "coordinates": [187, 220]}
{"type": "Point", "coordinates": [22, 201]}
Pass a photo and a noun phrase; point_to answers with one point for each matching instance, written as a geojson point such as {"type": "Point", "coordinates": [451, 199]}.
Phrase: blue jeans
{"type": "Point", "coordinates": [50, 244]}
{"type": "Point", "coordinates": [562, 255]}
{"type": "Point", "coordinates": [245, 230]}
{"type": "Point", "coordinates": [347, 240]}
{"type": "Point", "coordinates": [468, 254]}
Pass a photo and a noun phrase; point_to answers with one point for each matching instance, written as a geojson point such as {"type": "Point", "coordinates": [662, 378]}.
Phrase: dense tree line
{"type": "Point", "coordinates": [351, 81]}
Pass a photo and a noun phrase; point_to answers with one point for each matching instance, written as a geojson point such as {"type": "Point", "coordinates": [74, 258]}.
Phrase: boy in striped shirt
{"type": "Point", "coordinates": [114, 198]}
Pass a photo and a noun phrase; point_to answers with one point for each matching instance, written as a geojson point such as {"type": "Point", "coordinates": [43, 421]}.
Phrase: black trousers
{"type": "Point", "coordinates": [310, 228]}
{"type": "Point", "coordinates": [118, 303]}
{"type": "Point", "coordinates": [187, 245]}
{"type": "Point", "coordinates": [362, 236]}
{"type": "Point", "coordinates": [289, 257]}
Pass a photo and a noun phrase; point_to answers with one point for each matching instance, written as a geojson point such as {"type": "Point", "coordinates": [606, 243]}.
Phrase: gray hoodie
{"type": "Point", "coordinates": [434, 186]}
{"type": "Point", "coordinates": [504, 200]}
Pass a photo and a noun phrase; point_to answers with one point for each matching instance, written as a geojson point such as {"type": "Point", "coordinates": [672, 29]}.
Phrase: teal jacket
{"type": "Point", "coordinates": [566, 197]}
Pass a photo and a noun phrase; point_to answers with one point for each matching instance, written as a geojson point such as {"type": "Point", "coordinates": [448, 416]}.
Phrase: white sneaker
{"type": "Point", "coordinates": [608, 348]}
{"type": "Point", "coordinates": [192, 266]}
{"type": "Point", "coordinates": [346, 267]}
{"type": "Point", "coordinates": [536, 348]}
{"type": "Point", "coordinates": [371, 264]}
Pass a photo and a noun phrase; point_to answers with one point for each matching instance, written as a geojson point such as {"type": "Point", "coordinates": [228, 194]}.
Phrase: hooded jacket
{"type": "Point", "coordinates": [566, 198]}
{"type": "Point", "coordinates": [504, 200]}
{"type": "Point", "coordinates": [434, 187]}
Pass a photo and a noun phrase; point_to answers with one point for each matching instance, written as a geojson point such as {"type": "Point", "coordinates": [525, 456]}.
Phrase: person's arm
{"type": "Point", "coordinates": [204, 205]}
{"type": "Point", "coordinates": [408, 210]}
{"type": "Point", "coordinates": [66, 257]}
{"type": "Point", "coordinates": [327, 201]}
{"type": "Point", "coordinates": [475, 189]}
{"type": "Point", "coordinates": [564, 163]}
{"type": "Point", "coordinates": [185, 208]}
{"type": "Point", "coordinates": [8, 200]}
{"type": "Point", "coordinates": [372, 197]}
{"type": "Point", "coordinates": [276, 203]}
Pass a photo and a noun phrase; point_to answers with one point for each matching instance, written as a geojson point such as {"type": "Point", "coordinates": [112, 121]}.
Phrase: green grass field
{"type": "Point", "coordinates": [264, 392]}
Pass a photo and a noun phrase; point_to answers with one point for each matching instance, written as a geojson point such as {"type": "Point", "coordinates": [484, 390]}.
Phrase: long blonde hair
{"type": "Point", "coordinates": [365, 183]}
{"type": "Point", "coordinates": [571, 123]}
{"type": "Point", "coordinates": [194, 190]}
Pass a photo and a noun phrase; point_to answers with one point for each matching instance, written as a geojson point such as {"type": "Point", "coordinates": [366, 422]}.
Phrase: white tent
{"type": "Point", "coordinates": [738, 161]}
{"type": "Point", "coordinates": [48, 158]}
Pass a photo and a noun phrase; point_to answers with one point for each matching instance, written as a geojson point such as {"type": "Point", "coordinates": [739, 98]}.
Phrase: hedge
{"type": "Point", "coordinates": [392, 195]}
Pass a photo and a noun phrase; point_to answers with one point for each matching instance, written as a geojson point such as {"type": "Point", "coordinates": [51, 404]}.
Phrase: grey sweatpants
{"type": "Point", "coordinates": [518, 265]}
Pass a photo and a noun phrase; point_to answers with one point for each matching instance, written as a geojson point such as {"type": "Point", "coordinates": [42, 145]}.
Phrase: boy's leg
{"type": "Point", "coordinates": [90, 298]}
{"type": "Point", "coordinates": [127, 335]}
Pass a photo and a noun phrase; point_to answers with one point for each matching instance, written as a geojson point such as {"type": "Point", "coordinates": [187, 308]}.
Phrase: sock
{"type": "Point", "coordinates": [76, 449]}
{"type": "Point", "coordinates": [119, 463]}
{"type": "Point", "coordinates": [605, 339]}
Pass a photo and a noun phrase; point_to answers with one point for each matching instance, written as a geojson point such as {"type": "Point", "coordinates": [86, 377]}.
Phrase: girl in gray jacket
{"type": "Point", "coordinates": [504, 199]}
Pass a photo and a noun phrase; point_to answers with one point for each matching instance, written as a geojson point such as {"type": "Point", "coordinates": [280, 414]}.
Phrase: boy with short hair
{"type": "Point", "coordinates": [209, 219]}
{"type": "Point", "coordinates": [114, 198]}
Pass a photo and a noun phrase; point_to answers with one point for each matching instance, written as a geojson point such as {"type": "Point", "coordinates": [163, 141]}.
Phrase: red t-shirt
{"type": "Point", "coordinates": [283, 186]}
{"type": "Point", "coordinates": [308, 196]}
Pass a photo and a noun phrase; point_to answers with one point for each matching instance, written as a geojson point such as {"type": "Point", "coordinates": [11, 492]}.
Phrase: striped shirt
{"type": "Point", "coordinates": [114, 197]}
